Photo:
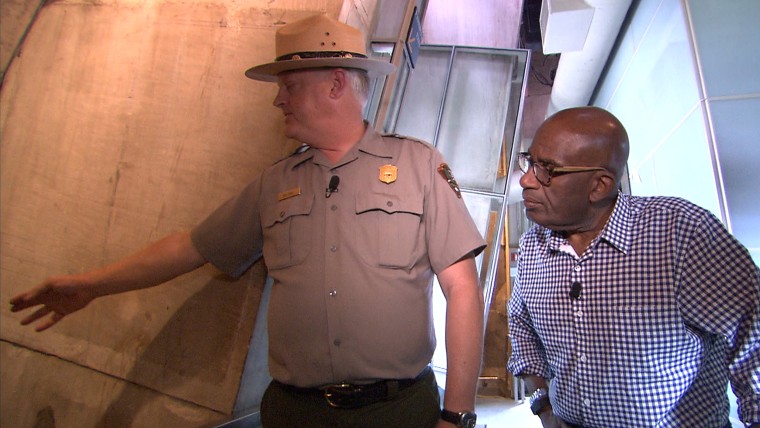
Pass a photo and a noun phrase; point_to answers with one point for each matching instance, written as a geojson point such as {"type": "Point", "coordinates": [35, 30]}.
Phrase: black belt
{"type": "Point", "coordinates": [349, 396]}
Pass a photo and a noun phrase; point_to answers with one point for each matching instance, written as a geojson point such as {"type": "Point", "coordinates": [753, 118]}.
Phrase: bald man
{"type": "Point", "coordinates": [626, 311]}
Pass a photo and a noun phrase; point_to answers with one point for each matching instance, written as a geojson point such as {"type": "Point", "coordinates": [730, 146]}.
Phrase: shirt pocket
{"type": "Point", "coordinates": [645, 340]}
{"type": "Point", "coordinates": [389, 229]}
{"type": "Point", "coordinates": [287, 232]}
{"type": "Point", "coordinates": [655, 359]}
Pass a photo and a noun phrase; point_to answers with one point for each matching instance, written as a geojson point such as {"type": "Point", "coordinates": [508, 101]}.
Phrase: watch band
{"type": "Point", "coordinates": [539, 400]}
{"type": "Point", "coordinates": [460, 419]}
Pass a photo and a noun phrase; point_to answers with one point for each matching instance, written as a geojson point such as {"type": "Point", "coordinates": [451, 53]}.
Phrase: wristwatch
{"type": "Point", "coordinates": [539, 400]}
{"type": "Point", "coordinates": [460, 419]}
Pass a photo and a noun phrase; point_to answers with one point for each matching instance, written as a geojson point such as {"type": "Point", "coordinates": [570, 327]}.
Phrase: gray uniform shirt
{"type": "Point", "coordinates": [353, 272]}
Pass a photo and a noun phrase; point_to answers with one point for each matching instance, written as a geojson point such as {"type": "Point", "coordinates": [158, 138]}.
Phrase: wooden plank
{"type": "Point", "coordinates": [120, 123]}
{"type": "Point", "coordinates": [84, 397]}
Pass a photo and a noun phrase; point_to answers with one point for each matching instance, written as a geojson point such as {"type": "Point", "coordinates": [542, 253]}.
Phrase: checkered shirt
{"type": "Point", "coordinates": [668, 313]}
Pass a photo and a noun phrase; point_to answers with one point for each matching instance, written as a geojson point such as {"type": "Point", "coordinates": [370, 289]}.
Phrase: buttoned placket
{"type": "Point", "coordinates": [332, 206]}
{"type": "Point", "coordinates": [579, 307]}
{"type": "Point", "coordinates": [334, 209]}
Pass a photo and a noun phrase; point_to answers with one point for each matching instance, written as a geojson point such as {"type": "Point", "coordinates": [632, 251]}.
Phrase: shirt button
{"type": "Point", "coordinates": [579, 314]}
{"type": "Point", "coordinates": [333, 293]}
{"type": "Point", "coordinates": [336, 342]}
{"type": "Point", "coordinates": [333, 248]}
{"type": "Point", "coordinates": [577, 268]}
{"type": "Point", "coordinates": [282, 213]}
{"type": "Point", "coordinates": [334, 207]}
{"type": "Point", "coordinates": [586, 402]}
{"type": "Point", "coordinates": [583, 358]}
{"type": "Point", "coordinates": [389, 203]}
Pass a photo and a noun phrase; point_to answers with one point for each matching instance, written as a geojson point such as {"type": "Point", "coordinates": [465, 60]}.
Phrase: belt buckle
{"type": "Point", "coordinates": [341, 396]}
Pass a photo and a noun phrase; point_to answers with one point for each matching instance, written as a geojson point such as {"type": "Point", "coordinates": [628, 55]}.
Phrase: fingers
{"type": "Point", "coordinates": [34, 316]}
{"type": "Point", "coordinates": [19, 302]}
{"type": "Point", "coordinates": [28, 298]}
{"type": "Point", "coordinates": [53, 301]}
{"type": "Point", "coordinates": [32, 298]}
{"type": "Point", "coordinates": [49, 322]}
{"type": "Point", "coordinates": [46, 323]}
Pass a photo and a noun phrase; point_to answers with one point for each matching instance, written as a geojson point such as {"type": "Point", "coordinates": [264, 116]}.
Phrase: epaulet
{"type": "Point", "coordinates": [404, 137]}
{"type": "Point", "coordinates": [301, 149]}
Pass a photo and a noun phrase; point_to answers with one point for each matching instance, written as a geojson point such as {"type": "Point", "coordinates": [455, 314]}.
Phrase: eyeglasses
{"type": "Point", "coordinates": [545, 171]}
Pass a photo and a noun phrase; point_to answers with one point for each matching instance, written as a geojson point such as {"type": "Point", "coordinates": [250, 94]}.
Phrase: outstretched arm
{"type": "Point", "coordinates": [62, 295]}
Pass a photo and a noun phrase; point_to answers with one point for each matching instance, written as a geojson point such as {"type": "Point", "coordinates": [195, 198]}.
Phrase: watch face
{"type": "Point", "coordinates": [538, 394]}
{"type": "Point", "coordinates": [461, 419]}
{"type": "Point", "coordinates": [468, 420]}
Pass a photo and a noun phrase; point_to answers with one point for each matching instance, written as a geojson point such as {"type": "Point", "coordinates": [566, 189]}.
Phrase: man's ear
{"type": "Point", "coordinates": [339, 80]}
{"type": "Point", "coordinates": [605, 185]}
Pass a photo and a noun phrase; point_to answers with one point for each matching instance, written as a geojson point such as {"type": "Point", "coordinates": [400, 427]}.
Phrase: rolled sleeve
{"type": "Point", "coordinates": [231, 237]}
{"type": "Point", "coordinates": [528, 355]}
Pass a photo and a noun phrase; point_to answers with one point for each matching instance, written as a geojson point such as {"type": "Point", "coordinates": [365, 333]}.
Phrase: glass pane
{"type": "Point", "coordinates": [474, 116]}
{"type": "Point", "coordinates": [419, 109]}
{"type": "Point", "coordinates": [517, 221]}
{"type": "Point", "coordinates": [397, 96]}
{"type": "Point", "coordinates": [487, 213]}
{"type": "Point", "coordinates": [512, 131]}
{"type": "Point", "coordinates": [380, 51]}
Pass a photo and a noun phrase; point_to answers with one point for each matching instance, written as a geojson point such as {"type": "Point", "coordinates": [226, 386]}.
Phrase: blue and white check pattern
{"type": "Point", "coordinates": [669, 311]}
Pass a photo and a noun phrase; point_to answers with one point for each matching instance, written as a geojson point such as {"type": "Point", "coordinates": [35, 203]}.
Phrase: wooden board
{"type": "Point", "coordinates": [80, 398]}
{"type": "Point", "coordinates": [122, 122]}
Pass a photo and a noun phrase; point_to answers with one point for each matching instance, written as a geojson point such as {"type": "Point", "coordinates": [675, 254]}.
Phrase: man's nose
{"type": "Point", "coordinates": [528, 179]}
{"type": "Point", "coordinates": [278, 100]}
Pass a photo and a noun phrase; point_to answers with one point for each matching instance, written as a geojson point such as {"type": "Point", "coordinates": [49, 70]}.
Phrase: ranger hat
{"type": "Point", "coordinates": [318, 42]}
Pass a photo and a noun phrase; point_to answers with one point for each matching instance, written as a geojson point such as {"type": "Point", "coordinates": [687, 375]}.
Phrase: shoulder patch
{"type": "Point", "coordinates": [447, 175]}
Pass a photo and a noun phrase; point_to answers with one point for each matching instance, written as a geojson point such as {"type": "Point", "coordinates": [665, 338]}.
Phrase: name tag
{"type": "Point", "coordinates": [289, 194]}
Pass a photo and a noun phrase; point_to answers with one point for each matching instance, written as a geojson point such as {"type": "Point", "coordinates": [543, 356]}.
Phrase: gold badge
{"type": "Point", "coordinates": [289, 193]}
{"type": "Point", "coordinates": [446, 173]}
{"type": "Point", "coordinates": [388, 173]}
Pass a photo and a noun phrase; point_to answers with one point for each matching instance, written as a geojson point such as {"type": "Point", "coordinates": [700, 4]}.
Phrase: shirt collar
{"type": "Point", "coordinates": [371, 143]}
{"type": "Point", "coordinates": [617, 231]}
